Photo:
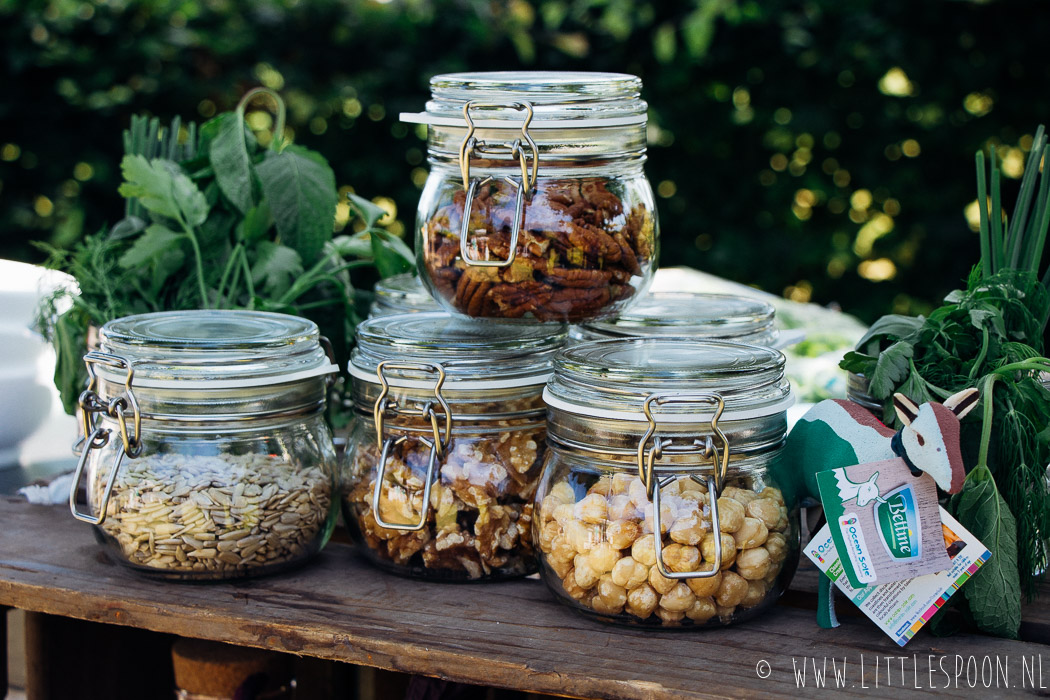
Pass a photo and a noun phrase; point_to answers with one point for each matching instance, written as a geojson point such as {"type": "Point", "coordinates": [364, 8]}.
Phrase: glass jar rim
{"type": "Point", "coordinates": [700, 316]}
{"type": "Point", "coordinates": [470, 354]}
{"type": "Point", "coordinates": [213, 349]}
{"type": "Point", "coordinates": [558, 99]}
{"type": "Point", "coordinates": [617, 378]}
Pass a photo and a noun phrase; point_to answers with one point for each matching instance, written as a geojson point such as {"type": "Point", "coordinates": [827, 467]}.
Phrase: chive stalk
{"type": "Point", "coordinates": [988, 265]}
{"type": "Point", "coordinates": [996, 218]}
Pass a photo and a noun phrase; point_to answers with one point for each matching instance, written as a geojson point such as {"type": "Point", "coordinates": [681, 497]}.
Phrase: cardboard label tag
{"type": "Point", "coordinates": [901, 608]}
{"type": "Point", "coordinates": [884, 521]}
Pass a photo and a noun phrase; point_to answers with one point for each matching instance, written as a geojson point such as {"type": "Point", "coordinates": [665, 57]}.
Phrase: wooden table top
{"type": "Point", "coordinates": [510, 634]}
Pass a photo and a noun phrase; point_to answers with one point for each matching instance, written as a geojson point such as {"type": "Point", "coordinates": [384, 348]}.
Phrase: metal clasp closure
{"type": "Point", "coordinates": [647, 457]}
{"type": "Point", "coordinates": [97, 437]}
{"type": "Point", "coordinates": [437, 445]}
{"type": "Point", "coordinates": [470, 146]}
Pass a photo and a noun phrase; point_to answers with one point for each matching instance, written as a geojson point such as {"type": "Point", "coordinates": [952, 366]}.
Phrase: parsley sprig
{"type": "Point", "coordinates": [216, 220]}
{"type": "Point", "coordinates": [990, 335]}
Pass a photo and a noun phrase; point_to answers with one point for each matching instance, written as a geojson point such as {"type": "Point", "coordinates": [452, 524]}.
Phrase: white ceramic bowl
{"type": "Point", "coordinates": [26, 361]}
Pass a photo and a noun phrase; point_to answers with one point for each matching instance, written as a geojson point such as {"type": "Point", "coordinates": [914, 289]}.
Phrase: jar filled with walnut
{"type": "Point", "coordinates": [536, 206]}
{"type": "Point", "coordinates": [447, 443]}
{"type": "Point", "coordinates": [661, 501]}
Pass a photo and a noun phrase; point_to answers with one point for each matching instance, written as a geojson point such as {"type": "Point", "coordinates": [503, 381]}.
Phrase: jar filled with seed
{"type": "Point", "coordinates": [536, 206]}
{"type": "Point", "coordinates": [206, 453]}
{"type": "Point", "coordinates": [723, 317]}
{"type": "Point", "coordinates": [661, 501]}
{"type": "Point", "coordinates": [448, 438]}
{"type": "Point", "coordinates": [401, 294]}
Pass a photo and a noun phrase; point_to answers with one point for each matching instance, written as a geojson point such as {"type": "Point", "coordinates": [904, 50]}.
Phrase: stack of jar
{"type": "Point", "coordinates": [637, 469]}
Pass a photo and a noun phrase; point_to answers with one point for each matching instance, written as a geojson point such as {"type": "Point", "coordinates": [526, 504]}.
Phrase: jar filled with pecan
{"type": "Point", "coordinates": [448, 438]}
{"type": "Point", "coordinates": [724, 317]}
{"type": "Point", "coordinates": [536, 206]}
{"type": "Point", "coordinates": [662, 501]}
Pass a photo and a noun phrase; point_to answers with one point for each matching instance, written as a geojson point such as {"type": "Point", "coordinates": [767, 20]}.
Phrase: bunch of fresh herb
{"type": "Point", "coordinates": [215, 220]}
{"type": "Point", "coordinates": [989, 336]}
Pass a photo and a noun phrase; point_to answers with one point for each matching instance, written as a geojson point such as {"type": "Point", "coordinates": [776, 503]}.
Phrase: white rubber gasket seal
{"type": "Point", "coordinates": [457, 384]}
{"type": "Point", "coordinates": [147, 383]}
{"type": "Point", "coordinates": [432, 120]}
{"type": "Point", "coordinates": [673, 418]}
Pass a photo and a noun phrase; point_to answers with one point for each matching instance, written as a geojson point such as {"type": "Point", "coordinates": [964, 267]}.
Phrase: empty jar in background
{"type": "Point", "coordinates": [401, 294]}
{"type": "Point", "coordinates": [723, 317]}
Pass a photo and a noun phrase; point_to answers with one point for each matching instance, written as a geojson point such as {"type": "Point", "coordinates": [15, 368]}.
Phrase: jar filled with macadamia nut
{"type": "Point", "coordinates": [536, 206]}
{"type": "Point", "coordinates": [206, 453]}
{"type": "Point", "coordinates": [447, 443]}
{"type": "Point", "coordinates": [661, 501]}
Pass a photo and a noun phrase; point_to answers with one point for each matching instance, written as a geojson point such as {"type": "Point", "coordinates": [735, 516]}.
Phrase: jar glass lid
{"type": "Point", "coordinates": [406, 291]}
{"type": "Point", "coordinates": [473, 355]}
{"type": "Point", "coordinates": [214, 349]}
{"type": "Point", "coordinates": [613, 378]}
{"type": "Point", "coordinates": [700, 316]}
{"type": "Point", "coordinates": [559, 99]}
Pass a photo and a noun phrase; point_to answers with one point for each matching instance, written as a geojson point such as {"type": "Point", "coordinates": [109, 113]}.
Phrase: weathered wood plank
{"type": "Point", "coordinates": [510, 635]}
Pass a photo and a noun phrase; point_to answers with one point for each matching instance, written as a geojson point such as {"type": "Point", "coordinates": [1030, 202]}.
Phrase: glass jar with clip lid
{"type": "Point", "coordinates": [206, 453]}
{"type": "Point", "coordinates": [448, 438]}
{"type": "Point", "coordinates": [536, 206]}
{"type": "Point", "coordinates": [677, 438]}
{"type": "Point", "coordinates": [724, 317]}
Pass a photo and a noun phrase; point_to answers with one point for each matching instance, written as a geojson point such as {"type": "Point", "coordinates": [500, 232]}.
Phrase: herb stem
{"type": "Point", "coordinates": [988, 413]}
{"type": "Point", "coordinates": [988, 264]}
{"type": "Point", "coordinates": [997, 218]}
{"type": "Point", "coordinates": [277, 143]}
{"type": "Point", "coordinates": [230, 265]}
{"type": "Point", "coordinates": [248, 282]}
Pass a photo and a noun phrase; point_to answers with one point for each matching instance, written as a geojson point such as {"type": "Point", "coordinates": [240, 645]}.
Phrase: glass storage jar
{"type": "Point", "coordinates": [678, 437]}
{"type": "Point", "coordinates": [207, 455]}
{"type": "Point", "coordinates": [447, 442]}
{"type": "Point", "coordinates": [699, 316]}
{"type": "Point", "coordinates": [401, 294]}
{"type": "Point", "coordinates": [560, 220]}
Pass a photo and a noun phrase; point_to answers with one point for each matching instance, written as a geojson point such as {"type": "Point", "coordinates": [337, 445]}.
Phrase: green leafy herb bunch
{"type": "Point", "coordinates": [216, 220]}
{"type": "Point", "coordinates": [990, 336]}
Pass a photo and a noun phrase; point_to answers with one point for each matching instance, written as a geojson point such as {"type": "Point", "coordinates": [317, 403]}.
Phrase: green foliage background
{"type": "Point", "coordinates": [794, 145]}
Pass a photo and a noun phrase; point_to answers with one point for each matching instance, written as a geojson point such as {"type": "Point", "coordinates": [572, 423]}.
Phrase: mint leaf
{"type": "Point", "coordinates": [163, 189]}
{"type": "Point", "coordinates": [368, 211]}
{"type": "Point", "coordinates": [300, 191]}
{"type": "Point", "coordinates": [276, 267]}
{"type": "Point", "coordinates": [891, 369]}
{"type": "Point", "coordinates": [391, 255]}
{"type": "Point", "coordinates": [994, 592]}
{"type": "Point", "coordinates": [228, 155]}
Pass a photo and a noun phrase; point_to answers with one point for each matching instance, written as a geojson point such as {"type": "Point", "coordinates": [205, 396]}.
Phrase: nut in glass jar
{"type": "Point", "coordinates": [447, 444]}
{"type": "Point", "coordinates": [661, 501]}
{"type": "Point", "coordinates": [536, 206]}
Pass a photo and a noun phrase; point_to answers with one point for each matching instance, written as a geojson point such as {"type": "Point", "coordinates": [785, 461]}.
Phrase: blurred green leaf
{"type": "Point", "coordinates": [300, 191]}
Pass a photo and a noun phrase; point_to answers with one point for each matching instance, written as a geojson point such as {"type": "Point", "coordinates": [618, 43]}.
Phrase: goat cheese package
{"type": "Point", "coordinates": [884, 520]}
{"type": "Point", "coordinates": [901, 608]}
